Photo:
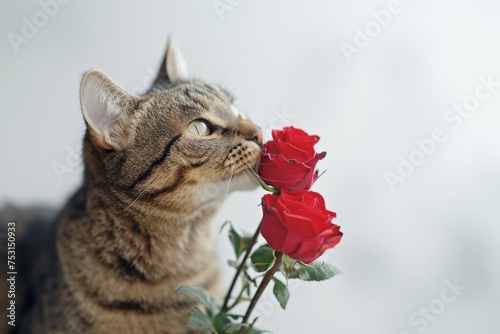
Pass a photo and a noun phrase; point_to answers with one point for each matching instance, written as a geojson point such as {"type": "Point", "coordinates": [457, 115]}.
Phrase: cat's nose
{"type": "Point", "coordinates": [250, 131]}
{"type": "Point", "coordinates": [256, 136]}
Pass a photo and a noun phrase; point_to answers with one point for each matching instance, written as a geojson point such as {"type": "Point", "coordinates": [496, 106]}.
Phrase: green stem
{"type": "Point", "coordinates": [240, 267]}
{"type": "Point", "coordinates": [237, 298]}
{"type": "Point", "coordinates": [262, 286]}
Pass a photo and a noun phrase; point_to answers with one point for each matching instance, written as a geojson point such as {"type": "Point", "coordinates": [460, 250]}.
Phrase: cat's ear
{"type": "Point", "coordinates": [173, 67]}
{"type": "Point", "coordinates": [106, 107]}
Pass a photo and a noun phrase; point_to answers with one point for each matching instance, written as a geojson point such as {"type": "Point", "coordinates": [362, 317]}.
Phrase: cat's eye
{"type": "Point", "coordinates": [199, 128]}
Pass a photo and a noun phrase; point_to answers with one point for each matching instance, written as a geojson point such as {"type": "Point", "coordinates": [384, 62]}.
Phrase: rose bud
{"type": "Point", "coordinates": [289, 160]}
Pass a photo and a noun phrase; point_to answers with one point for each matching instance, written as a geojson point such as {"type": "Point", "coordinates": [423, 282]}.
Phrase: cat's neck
{"type": "Point", "coordinates": [135, 241]}
{"type": "Point", "coordinates": [131, 262]}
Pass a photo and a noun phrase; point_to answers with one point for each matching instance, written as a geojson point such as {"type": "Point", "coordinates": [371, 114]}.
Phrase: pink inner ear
{"type": "Point", "coordinates": [98, 139]}
{"type": "Point", "coordinates": [102, 101]}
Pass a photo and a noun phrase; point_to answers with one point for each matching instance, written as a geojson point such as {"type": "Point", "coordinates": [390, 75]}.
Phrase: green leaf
{"type": "Point", "coordinates": [253, 330]}
{"type": "Point", "coordinates": [203, 297]}
{"type": "Point", "coordinates": [262, 258]}
{"type": "Point", "coordinates": [232, 263]}
{"type": "Point", "coordinates": [249, 278]}
{"type": "Point", "coordinates": [240, 242]}
{"type": "Point", "coordinates": [235, 316]}
{"type": "Point", "coordinates": [199, 320]}
{"type": "Point", "coordinates": [315, 272]}
{"type": "Point", "coordinates": [281, 292]}
{"type": "Point", "coordinates": [232, 328]}
{"type": "Point", "coordinates": [245, 242]}
{"type": "Point", "coordinates": [220, 321]}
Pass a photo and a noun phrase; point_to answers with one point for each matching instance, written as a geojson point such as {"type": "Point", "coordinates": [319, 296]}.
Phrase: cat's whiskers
{"type": "Point", "coordinates": [226, 170]}
{"type": "Point", "coordinates": [253, 173]}
{"type": "Point", "coordinates": [235, 57]}
{"type": "Point", "coordinates": [236, 77]}
{"type": "Point", "coordinates": [237, 88]}
{"type": "Point", "coordinates": [229, 183]}
{"type": "Point", "coordinates": [253, 176]}
{"type": "Point", "coordinates": [250, 173]}
{"type": "Point", "coordinates": [224, 75]}
{"type": "Point", "coordinates": [203, 65]}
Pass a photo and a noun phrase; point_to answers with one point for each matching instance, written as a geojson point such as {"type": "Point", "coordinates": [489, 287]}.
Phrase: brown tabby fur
{"type": "Point", "coordinates": [140, 225]}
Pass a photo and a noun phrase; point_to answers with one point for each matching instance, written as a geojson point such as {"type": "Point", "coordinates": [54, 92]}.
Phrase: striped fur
{"type": "Point", "coordinates": [140, 225]}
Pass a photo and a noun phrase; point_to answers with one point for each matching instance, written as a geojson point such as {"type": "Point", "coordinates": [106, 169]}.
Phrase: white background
{"type": "Point", "coordinates": [284, 58]}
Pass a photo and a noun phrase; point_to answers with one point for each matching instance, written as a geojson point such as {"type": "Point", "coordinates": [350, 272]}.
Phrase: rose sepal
{"type": "Point", "coordinates": [288, 264]}
{"type": "Point", "coordinates": [267, 187]}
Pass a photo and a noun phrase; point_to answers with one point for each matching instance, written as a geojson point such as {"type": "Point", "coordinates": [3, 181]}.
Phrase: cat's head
{"type": "Point", "coordinates": [182, 142]}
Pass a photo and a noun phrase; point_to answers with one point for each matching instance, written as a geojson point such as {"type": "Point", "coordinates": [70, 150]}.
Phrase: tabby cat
{"type": "Point", "coordinates": [157, 167]}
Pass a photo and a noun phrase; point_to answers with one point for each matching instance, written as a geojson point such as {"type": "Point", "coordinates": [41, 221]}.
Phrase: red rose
{"type": "Point", "coordinates": [289, 160]}
{"type": "Point", "coordinates": [298, 224]}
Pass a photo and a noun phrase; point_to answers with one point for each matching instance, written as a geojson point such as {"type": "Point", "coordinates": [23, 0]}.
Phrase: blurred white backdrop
{"type": "Point", "coordinates": [372, 78]}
